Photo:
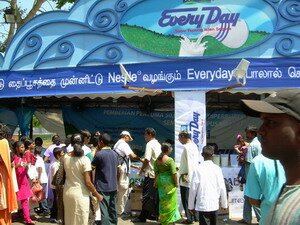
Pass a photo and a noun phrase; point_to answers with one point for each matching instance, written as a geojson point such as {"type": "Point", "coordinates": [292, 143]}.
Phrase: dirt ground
{"type": "Point", "coordinates": [17, 220]}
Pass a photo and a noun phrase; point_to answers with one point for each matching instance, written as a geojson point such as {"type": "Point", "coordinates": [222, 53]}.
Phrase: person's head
{"type": "Point", "coordinates": [78, 151]}
{"type": "Point", "coordinates": [251, 132]}
{"type": "Point", "coordinates": [150, 134]}
{"type": "Point", "coordinates": [37, 150]}
{"type": "Point", "coordinates": [76, 139]}
{"type": "Point", "coordinates": [58, 152]}
{"type": "Point", "coordinates": [95, 141]}
{"type": "Point", "coordinates": [56, 139]}
{"type": "Point", "coordinates": [166, 148]}
{"type": "Point", "coordinates": [5, 132]}
{"type": "Point", "coordinates": [23, 138]}
{"type": "Point", "coordinates": [29, 144]}
{"type": "Point", "coordinates": [183, 137]}
{"type": "Point", "coordinates": [280, 130]}
{"type": "Point", "coordinates": [240, 140]}
{"type": "Point", "coordinates": [104, 140]}
{"type": "Point", "coordinates": [125, 135]}
{"type": "Point", "coordinates": [68, 139]}
{"type": "Point", "coordinates": [86, 136]}
{"type": "Point", "coordinates": [208, 152]}
{"type": "Point", "coordinates": [19, 147]}
{"type": "Point", "coordinates": [38, 141]}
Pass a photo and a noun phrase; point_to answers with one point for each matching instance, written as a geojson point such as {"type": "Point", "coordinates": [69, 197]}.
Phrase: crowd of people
{"type": "Point", "coordinates": [87, 176]}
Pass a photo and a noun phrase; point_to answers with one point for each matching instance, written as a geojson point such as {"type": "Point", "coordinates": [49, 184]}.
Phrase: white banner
{"type": "Point", "coordinates": [190, 115]}
{"type": "Point", "coordinates": [236, 196]}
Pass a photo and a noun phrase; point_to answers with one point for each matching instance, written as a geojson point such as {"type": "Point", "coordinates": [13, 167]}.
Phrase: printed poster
{"type": "Point", "coordinates": [190, 115]}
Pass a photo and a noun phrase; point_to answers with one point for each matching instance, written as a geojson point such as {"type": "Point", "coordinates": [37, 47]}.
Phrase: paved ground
{"type": "Point", "coordinates": [45, 221]}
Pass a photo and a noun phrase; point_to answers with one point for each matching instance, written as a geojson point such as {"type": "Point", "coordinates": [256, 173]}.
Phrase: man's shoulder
{"type": "Point", "coordinates": [255, 143]}
{"type": "Point", "coordinates": [121, 147]}
{"type": "Point", "coordinates": [191, 146]}
{"type": "Point", "coordinates": [54, 164]}
{"type": "Point", "coordinates": [153, 144]}
{"type": "Point", "coordinates": [109, 152]}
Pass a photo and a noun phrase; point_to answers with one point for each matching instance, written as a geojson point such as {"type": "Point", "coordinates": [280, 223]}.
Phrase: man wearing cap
{"type": "Point", "coordinates": [124, 153]}
{"type": "Point", "coordinates": [254, 149]}
{"type": "Point", "coordinates": [280, 138]}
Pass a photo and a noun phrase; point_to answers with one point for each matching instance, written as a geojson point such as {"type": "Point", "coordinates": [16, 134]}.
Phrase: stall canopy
{"type": "Point", "coordinates": [170, 45]}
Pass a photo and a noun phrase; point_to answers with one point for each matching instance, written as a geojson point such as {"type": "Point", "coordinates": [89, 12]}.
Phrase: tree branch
{"type": "Point", "coordinates": [11, 33]}
{"type": "Point", "coordinates": [35, 8]}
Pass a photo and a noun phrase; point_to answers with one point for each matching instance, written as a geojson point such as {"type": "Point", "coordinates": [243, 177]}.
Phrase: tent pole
{"type": "Point", "coordinates": [31, 129]}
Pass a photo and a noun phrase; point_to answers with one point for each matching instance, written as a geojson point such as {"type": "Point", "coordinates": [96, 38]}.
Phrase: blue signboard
{"type": "Point", "coordinates": [171, 75]}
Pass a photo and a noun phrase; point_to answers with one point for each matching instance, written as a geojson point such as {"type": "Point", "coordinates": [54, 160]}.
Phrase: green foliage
{"type": "Point", "coordinates": [36, 122]}
{"type": "Point", "coordinates": [157, 43]}
{"type": "Point", "coordinates": [61, 3]}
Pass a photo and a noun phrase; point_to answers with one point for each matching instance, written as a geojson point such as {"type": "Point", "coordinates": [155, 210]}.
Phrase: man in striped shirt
{"type": "Point", "coordinates": [280, 139]}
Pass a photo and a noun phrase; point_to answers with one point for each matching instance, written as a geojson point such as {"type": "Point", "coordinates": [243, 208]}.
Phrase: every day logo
{"type": "Point", "coordinates": [192, 16]}
{"type": "Point", "coordinates": [226, 27]}
{"type": "Point", "coordinates": [197, 28]}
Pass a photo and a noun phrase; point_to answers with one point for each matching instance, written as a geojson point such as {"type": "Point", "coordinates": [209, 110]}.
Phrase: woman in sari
{"type": "Point", "coordinates": [78, 185]}
{"type": "Point", "coordinates": [166, 181]}
{"type": "Point", "coordinates": [8, 198]}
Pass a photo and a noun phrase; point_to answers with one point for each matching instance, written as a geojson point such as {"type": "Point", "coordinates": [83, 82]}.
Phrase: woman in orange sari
{"type": "Point", "coordinates": [8, 199]}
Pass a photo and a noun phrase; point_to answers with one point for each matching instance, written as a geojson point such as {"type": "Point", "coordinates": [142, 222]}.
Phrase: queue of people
{"type": "Point", "coordinates": [89, 184]}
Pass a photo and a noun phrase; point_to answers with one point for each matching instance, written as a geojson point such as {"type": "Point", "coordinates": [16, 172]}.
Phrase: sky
{"type": "Point", "coordinates": [25, 4]}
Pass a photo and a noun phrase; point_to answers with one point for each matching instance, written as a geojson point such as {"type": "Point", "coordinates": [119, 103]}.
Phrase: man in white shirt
{"type": "Point", "coordinates": [124, 153]}
{"type": "Point", "coordinates": [150, 194]}
{"type": "Point", "coordinates": [188, 163]}
{"type": "Point", "coordinates": [207, 189]}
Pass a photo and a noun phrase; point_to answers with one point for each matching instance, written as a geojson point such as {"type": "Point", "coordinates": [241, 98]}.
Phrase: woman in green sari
{"type": "Point", "coordinates": [166, 181]}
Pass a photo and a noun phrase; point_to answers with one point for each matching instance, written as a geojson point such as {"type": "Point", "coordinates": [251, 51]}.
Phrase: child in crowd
{"type": "Point", "coordinates": [241, 148]}
{"type": "Point", "coordinates": [39, 144]}
{"type": "Point", "coordinates": [29, 149]}
{"type": "Point", "coordinates": [43, 179]}
{"type": "Point", "coordinates": [24, 192]}
{"type": "Point", "coordinates": [58, 153]}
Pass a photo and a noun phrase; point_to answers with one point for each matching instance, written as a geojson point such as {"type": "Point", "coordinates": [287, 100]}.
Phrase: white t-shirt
{"type": "Point", "coordinates": [41, 164]}
{"type": "Point", "coordinates": [53, 169]}
{"type": "Point", "coordinates": [189, 161]}
{"type": "Point", "coordinates": [86, 149]}
{"type": "Point", "coordinates": [153, 150]}
{"type": "Point", "coordinates": [124, 150]}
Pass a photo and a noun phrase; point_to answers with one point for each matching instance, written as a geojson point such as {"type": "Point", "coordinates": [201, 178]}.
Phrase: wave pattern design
{"type": "Point", "coordinates": [109, 52]}
{"type": "Point", "coordinates": [63, 48]}
{"type": "Point", "coordinates": [29, 45]}
{"type": "Point", "coordinates": [289, 35]}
